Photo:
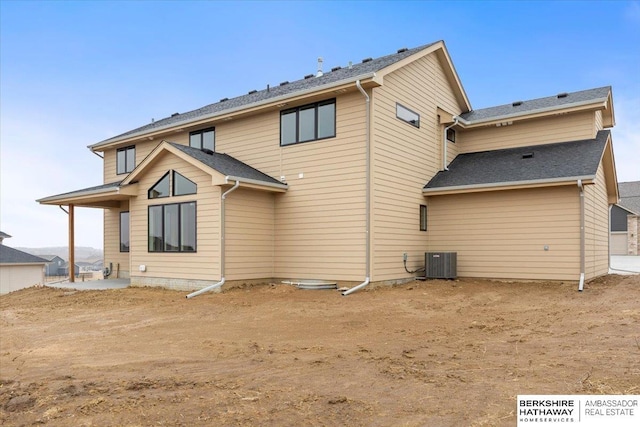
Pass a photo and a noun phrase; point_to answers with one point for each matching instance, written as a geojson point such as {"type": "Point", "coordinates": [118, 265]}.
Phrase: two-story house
{"type": "Point", "coordinates": [343, 175]}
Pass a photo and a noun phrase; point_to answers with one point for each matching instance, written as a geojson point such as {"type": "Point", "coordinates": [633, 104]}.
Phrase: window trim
{"type": "Point", "coordinates": [201, 133]}
{"type": "Point", "coordinates": [126, 155]}
{"type": "Point", "coordinates": [129, 233]}
{"type": "Point", "coordinates": [195, 227]}
{"type": "Point", "coordinates": [414, 123]}
{"type": "Point", "coordinates": [315, 106]}
{"type": "Point", "coordinates": [423, 217]}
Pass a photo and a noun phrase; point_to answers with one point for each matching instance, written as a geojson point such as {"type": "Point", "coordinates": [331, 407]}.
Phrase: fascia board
{"type": "Point", "coordinates": [497, 186]}
{"type": "Point", "coordinates": [52, 200]}
{"type": "Point", "coordinates": [220, 114]}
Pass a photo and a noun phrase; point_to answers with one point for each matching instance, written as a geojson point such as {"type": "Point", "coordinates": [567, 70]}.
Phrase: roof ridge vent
{"type": "Point", "coordinates": [175, 114]}
{"type": "Point", "coordinates": [528, 155]}
{"type": "Point", "coordinates": [251, 92]}
{"type": "Point", "coordinates": [206, 151]}
{"type": "Point", "coordinates": [286, 82]}
{"type": "Point", "coordinates": [336, 68]}
{"type": "Point", "coordinates": [308, 76]}
{"type": "Point", "coordinates": [402, 49]}
{"type": "Point", "coordinates": [516, 103]}
{"type": "Point", "coordinates": [562, 95]}
{"type": "Point", "coordinates": [365, 60]}
{"type": "Point", "coordinates": [224, 99]}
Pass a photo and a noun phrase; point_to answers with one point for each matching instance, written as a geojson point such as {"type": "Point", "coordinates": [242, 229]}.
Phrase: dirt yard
{"type": "Point", "coordinates": [437, 353]}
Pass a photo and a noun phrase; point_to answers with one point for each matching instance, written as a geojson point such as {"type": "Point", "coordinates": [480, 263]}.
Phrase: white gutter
{"type": "Point", "coordinates": [222, 241]}
{"type": "Point", "coordinates": [263, 102]}
{"type": "Point", "coordinates": [581, 284]}
{"type": "Point", "coordinates": [367, 196]}
{"type": "Point", "coordinates": [436, 190]}
{"type": "Point", "coordinates": [256, 182]}
{"type": "Point", "coordinates": [444, 143]}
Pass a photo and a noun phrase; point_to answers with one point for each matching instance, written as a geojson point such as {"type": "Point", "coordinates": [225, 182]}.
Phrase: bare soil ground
{"type": "Point", "coordinates": [436, 353]}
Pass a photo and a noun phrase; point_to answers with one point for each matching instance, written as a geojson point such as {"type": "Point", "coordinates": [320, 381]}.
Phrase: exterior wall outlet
{"type": "Point", "coordinates": [142, 268]}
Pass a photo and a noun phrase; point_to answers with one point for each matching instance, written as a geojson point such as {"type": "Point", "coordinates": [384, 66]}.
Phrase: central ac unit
{"type": "Point", "coordinates": [441, 265]}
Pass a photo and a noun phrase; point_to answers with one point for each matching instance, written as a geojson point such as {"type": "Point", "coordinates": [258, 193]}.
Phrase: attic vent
{"type": "Point", "coordinates": [403, 49]}
{"type": "Point", "coordinates": [562, 95]}
{"type": "Point", "coordinates": [252, 92]}
{"type": "Point", "coordinates": [517, 103]}
{"type": "Point", "coordinates": [308, 76]}
{"type": "Point", "coordinates": [367, 60]}
{"type": "Point", "coordinates": [175, 114]}
{"type": "Point", "coordinates": [224, 99]}
{"type": "Point", "coordinates": [206, 151]}
{"type": "Point", "coordinates": [527, 155]}
{"type": "Point", "coordinates": [336, 68]}
{"type": "Point", "coordinates": [286, 82]}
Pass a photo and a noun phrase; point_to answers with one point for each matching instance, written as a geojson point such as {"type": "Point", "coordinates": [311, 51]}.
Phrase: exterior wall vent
{"type": "Point", "coordinates": [517, 104]}
{"type": "Point", "coordinates": [441, 265]}
{"type": "Point", "coordinates": [562, 95]}
{"type": "Point", "coordinates": [365, 60]}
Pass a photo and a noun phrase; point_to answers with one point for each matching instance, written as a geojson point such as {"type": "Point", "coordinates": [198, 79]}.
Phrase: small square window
{"type": "Point", "coordinates": [451, 135]}
{"type": "Point", "coordinates": [423, 217]}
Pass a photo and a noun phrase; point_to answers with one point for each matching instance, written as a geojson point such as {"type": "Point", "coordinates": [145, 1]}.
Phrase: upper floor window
{"type": "Point", "coordinates": [451, 135]}
{"type": "Point", "coordinates": [308, 123]}
{"type": "Point", "coordinates": [407, 115]}
{"type": "Point", "coordinates": [125, 159]}
{"type": "Point", "coordinates": [203, 139]}
{"type": "Point", "coordinates": [172, 183]}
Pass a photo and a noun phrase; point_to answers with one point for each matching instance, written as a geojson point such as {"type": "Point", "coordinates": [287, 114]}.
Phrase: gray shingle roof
{"type": "Point", "coordinates": [533, 105]}
{"type": "Point", "coordinates": [4, 235]}
{"type": "Point", "coordinates": [549, 161]}
{"type": "Point", "coordinates": [630, 196]}
{"type": "Point", "coordinates": [96, 188]}
{"type": "Point", "coordinates": [363, 68]}
{"type": "Point", "coordinates": [13, 256]}
{"type": "Point", "coordinates": [226, 165]}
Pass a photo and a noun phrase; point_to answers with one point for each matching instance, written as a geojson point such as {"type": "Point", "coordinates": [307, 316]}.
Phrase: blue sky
{"type": "Point", "coordinates": [75, 73]}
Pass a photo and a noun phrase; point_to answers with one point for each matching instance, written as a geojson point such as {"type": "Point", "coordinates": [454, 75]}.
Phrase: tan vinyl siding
{"type": "Point", "coordinates": [250, 228]}
{"type": "Point", "coordinates": [562, 128]}
{"type": "Point", "coordinates": [202, 265]}
{"type": "Point", "coordinates": [502, 234]}
{"type": "Point", "coordinates": [598, 121]}
{"type": "Point", "coordinates": [404, 159]}
{"type": "Point", "coordinates": [119, 260]}
{"type": "Point", "coordinates": [596, 227]}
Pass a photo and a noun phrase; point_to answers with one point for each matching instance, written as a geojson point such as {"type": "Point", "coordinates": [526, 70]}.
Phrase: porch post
{"type": "Point", "coordinates": [72, 263]}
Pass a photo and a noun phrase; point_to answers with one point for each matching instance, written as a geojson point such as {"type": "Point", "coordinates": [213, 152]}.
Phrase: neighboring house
{"type": "Point", "coordinates": [65, 269]}
{"type": "Point", "coordinates": [19, 269]}
{"type": "Point", "coordinates": [341, 175]}
{"type": "Point", "coordinates": [625, 220]}
{"type": "Point", "coordinates": [55, 265]}
{"type": "Point", "coordinates": [3, 236]}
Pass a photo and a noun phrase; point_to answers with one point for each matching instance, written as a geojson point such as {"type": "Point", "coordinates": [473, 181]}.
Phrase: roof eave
{"type": "Point", "coordinates": [498, 186]}
{"type": "Point", "coordinates": [100, 146]}
{"type": "Point", "coordinates": [102, 198]}
{"type": "Point", "coordinates": [598, 104]}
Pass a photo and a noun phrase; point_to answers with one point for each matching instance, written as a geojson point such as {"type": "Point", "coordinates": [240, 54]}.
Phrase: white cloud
{"type": "Point", "coordinates": [626, 138]}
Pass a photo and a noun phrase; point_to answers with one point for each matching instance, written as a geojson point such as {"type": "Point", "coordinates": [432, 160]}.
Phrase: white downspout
{"type": "Point", "coordinates": [222, 241]}
{"type": "Point", "coordinates": [581, 284]}
{"type": "Point", "coordinates": [367, 196]}
{"type": "Point", "coordinates": [444, 143]}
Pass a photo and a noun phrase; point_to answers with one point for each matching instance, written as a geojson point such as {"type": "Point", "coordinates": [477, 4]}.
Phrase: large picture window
{"type": "Point", "coordinates": [308, 123]}
{"type": "Point", "coordinates": [124, 231]}
{"type": "Point", "coordinates": [125, 160]}
{"type": "Point", "coordinates": [203, 139]}
{"type": "Point", "coordinates": [172, 227]}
